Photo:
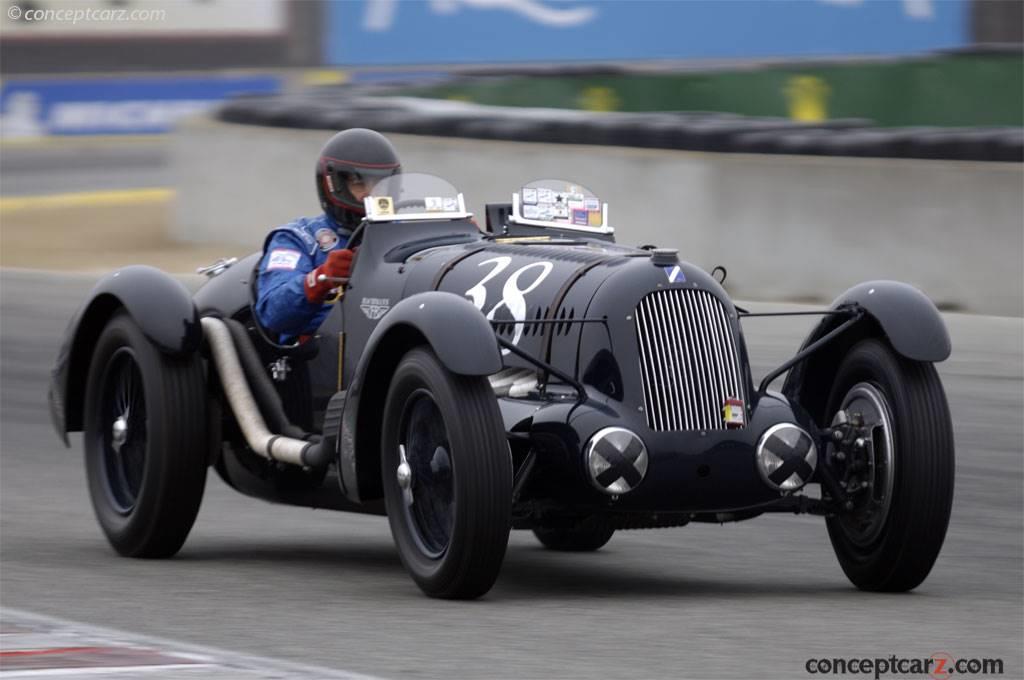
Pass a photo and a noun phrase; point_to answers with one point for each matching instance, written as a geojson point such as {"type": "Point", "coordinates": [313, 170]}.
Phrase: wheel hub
{"type": "Point", "coordinates": [119, 433]}
{"type": "Point", "coordinates": [404, 476]}
{"type": "Point", "coordinates": [425, 474]}
{"type": "Point", "coordinates": [863, 452]}
{"type": "Point", "coordinates": [122, 424]}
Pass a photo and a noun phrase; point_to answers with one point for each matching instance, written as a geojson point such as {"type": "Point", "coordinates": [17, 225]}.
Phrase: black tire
{"type": "Point", "coordinates": [575, 539]}
{"type": "Point", "coordinates": [889, 542]}
{"type": "Point", "coordinates": [453, 532]}
{"type": "Point", "coordinates": [147, 486]}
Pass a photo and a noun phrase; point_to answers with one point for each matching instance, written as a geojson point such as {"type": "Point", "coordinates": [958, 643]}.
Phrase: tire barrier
{"type": "Point", "coordinates": [937, 88]}
{"type": "Point", "coordinates": [342, 107]}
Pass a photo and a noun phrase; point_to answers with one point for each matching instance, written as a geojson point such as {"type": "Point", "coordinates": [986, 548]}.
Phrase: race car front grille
{"type": "Point", "coordinates": [689, 360]}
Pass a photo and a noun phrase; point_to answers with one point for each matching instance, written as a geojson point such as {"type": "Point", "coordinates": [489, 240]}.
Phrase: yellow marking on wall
{"type": "Point", "coordinates": [808, 98]}
{"type": "Point", "coordinates": [86, 199]}
{"type": "Point", "coordinates": [319, 77]}
{"type": "Point", "coordinates": [79, 141]}
{"type": "Point", "coordinates": [599, 99]}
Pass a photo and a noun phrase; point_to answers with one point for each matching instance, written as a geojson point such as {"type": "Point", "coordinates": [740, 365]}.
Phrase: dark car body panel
{"type": "Point", "coordinates": [231, 291]}
{"type": "Point", "coordinates": [160, 305]}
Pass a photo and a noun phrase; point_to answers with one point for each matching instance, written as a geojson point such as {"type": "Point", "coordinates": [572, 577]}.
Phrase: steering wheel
{"type": "Point", "coordinates": [356, 237]}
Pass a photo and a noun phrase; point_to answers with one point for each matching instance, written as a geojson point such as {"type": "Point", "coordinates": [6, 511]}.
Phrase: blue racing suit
{"type": "Point", "coordinates": [289, 253]}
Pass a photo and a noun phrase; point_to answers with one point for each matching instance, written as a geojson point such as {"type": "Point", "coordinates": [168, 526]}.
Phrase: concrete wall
{"type": "Point", "coordinates": [786, 227]}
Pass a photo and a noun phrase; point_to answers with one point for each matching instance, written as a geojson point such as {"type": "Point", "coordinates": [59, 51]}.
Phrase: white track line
{"type": "Point", "coordinates": [119, 670]}
{"type": "Point", "coordinates": [208, 660]}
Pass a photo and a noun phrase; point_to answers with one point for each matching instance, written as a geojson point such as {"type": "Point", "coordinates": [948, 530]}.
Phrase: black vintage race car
{"type": "Point", "coordinates": [533, 375]}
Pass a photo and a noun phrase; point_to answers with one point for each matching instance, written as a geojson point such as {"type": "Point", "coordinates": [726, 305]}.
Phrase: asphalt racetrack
{"type": "Point", "coordinates": [755, 599]}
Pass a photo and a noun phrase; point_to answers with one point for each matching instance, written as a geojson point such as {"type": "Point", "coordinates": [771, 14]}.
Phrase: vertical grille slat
{"type": "Point", "coordinates": [731, 372]}
{"type": "Point", "coordinates": [694, 320]}
{"type": "Point", "coordinates": [658, 385]}
{"type": "Point", "coordinates": [647, 363]}
{"type": "Point", "coordinates": [717, 343]}
{"type": "Point", "coordinates": [689, 363]}
{"type": "Point", "coordinates": [695, 361]}
{"type": "Point", "coordinates": [692, 359]}
{"type": "Point", "coordinates": [679, 339]}
{"type": "Point", "coordinates": [672, 391]}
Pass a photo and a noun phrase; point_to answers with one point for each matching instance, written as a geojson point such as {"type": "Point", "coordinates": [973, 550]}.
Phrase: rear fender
{"type": "Point", "coordinates": [160, 305]}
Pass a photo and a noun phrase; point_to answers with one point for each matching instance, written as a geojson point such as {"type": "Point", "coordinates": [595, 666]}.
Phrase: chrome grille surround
{"type": "Point", "coordinates": [689, 360]}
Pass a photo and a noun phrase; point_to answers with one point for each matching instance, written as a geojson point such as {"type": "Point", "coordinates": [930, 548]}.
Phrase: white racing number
{"type": "Point", "coordinates": [512, 296]}
{"type": "Point", "coordinates": [479, 291]}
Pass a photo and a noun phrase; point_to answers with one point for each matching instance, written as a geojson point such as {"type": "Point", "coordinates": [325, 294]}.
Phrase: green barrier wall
{"type": "Point", "coordinates": [953, 90]}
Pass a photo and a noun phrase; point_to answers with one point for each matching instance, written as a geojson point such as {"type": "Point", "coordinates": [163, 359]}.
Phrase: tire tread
{"type": "Point", "coordinates": [923, 490]}
{"type": "Point", "coordinates": [176, 454]}
{"type": "Point", "coordinates": [480, 537]}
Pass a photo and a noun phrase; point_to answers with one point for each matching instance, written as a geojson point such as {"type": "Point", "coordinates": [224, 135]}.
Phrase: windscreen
{"type": "Point", "coordinates": [414, 196]}
{"type": "Point", "coordinates": [559, 203]}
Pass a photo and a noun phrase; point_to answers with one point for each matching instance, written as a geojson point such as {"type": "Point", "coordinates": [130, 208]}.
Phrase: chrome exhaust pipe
{"type": "Point", "coordinates": [247, 413]}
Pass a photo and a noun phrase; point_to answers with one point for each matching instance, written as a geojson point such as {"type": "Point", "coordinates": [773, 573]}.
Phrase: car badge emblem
{"type": "Point", "coordinates": [674, 274]}
{"type": "Point", "coordinates": [375, 308]}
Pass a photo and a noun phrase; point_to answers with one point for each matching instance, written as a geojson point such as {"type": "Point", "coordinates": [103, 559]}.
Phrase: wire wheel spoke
{"type": "Point", "coordinates": [123, 430]}
{"type": "Point", "coordinates": [425, 438]}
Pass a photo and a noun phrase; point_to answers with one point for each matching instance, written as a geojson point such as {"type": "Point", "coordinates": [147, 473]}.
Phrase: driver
{"type": "Point", "coordinates": [291, 300]}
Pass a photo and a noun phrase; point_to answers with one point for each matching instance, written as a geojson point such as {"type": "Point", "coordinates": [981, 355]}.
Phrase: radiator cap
{"type": "Point", "coordinates": [664, 256]}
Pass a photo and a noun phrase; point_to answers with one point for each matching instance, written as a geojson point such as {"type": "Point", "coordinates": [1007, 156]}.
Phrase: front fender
{"type": "Point", "coordinates": [464, 343]}
{"type": "Point", "coordinates": [160, 305]}
{"type": "Point", "coordinates": [910, 320]}
{"type": "Point", "coordinates": [896, 311]}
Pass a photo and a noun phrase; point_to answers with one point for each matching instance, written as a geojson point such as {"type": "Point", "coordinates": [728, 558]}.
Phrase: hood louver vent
{"type": "Point", "coordinates": [506, 328]}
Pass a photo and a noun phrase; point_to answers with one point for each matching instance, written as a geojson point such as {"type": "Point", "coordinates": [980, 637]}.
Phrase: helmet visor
{"type": "Point", "coordinates": [348, 186]}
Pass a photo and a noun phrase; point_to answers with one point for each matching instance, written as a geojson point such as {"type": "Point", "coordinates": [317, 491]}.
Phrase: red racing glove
{"type": "Point", "coordinates": [337, 266]}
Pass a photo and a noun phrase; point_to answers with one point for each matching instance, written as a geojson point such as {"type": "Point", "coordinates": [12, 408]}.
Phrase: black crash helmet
{"type": "Point", "coordinates": [360, 153]}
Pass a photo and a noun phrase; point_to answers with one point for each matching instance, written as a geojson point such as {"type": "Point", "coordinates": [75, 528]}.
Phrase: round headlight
{"type": "Point", "coordinates": [616, 460]}
{"type": "Point", "coordinates": [786, 457]}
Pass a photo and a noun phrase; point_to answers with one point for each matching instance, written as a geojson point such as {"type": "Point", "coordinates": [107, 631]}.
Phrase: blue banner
{"type": "Point", "coordinates": [90, 106]}
{"type": "Point", "coordinates": [393, 32]}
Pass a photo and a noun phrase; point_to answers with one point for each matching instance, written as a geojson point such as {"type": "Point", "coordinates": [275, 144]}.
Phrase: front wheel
{"type": "Point", "coordinates": [900, 473]}
{"type": "Point", "coordinates": [447, 477]}
{"type": "Point", "coordinates": [145, 441]}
